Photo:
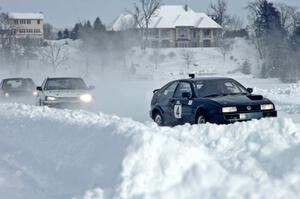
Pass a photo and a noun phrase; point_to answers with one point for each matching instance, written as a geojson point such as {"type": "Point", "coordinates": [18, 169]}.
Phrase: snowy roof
{"type": "Point", "coordinates": [15, 15]}
{"type": "Point", "coordinates": [123, 22]}
{"type": "Point", "coordinates": [171, 16]}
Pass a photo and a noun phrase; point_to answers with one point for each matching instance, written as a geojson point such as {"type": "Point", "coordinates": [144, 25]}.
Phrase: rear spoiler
{"type": "Point", "coordinates": [155, 90]}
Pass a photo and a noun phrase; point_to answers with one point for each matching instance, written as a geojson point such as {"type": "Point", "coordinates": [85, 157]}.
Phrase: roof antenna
{"type": "Point", "coordinates": [192, 76]}
{"type": "Point", "coordinates": [186, 7]}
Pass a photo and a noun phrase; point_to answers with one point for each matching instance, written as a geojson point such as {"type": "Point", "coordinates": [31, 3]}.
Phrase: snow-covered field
{"type": "Point", "coordinates": [48, 153]}
{"type": "Point", "coordinates": [115, 151]}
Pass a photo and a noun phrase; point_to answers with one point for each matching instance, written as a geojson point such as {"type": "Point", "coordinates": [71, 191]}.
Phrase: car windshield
{"type": "Point", "coordinates": [17, 84]}
{"type": "Point", "coordinates": [215, 88]}
{"type": "Point", "coordinates": [65, 84]}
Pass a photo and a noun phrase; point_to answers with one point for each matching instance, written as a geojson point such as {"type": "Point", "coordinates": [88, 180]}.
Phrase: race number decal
{"type": "Point", "coordinates": [178, 111]}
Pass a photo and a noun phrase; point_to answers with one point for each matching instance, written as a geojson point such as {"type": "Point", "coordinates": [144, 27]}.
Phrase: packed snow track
{"type": "Point", "coordinates": [64, 154]}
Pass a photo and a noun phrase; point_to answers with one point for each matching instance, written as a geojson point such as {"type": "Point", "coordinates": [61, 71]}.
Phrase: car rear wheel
{"type": "Point", "coordinates": [158, 119]}
{"type": "Point", "coordinates": [201, 118]}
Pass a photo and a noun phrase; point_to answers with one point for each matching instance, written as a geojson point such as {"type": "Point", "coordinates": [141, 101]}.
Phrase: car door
{"type": "Point", "coordinates": [182, 105]}
{"type": "Point", "coordinates": [163, 100]}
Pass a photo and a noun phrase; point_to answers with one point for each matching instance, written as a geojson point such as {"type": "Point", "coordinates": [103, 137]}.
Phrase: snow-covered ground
{"type": "Point", "coordinates": [48, 153]}
{"type": "Point", "coordinates": [116, 151]}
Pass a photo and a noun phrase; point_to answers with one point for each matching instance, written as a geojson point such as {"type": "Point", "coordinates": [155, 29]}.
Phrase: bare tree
{"type": "Point", "coordinates": [48, 31]}
{"type": "Point", "coordinates": [225, 46]}
{"type": "Point", "coordinates": [288, 16]}
{"type": "Point", "coordinates": [156, 58]}
{"type": "Point", "coordinates": [219, 10]}
{"type": "Point", "coordinates": [142, 16]}
{"type": "Point", "coordinates": [55, 55]}
{"type": "Point", "coordinates": [189, 57]}
{"type": "Point", "coordinates": [8, 44]}
{"type": "Point", "coordinates": [235, 23]}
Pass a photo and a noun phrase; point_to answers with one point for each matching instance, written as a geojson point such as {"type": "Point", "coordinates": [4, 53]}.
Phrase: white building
{"type": "Point", "coordinates": [27, 25]}
{"type": "Point", "coordinates": [177, 26]}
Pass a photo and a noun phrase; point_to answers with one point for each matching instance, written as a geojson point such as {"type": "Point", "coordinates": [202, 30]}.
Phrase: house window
{"type": "Point", "coordinates": [165, 33]}
{"type": "Point", "coordinates": [206, 33]}
{"type": "Point", "coordinates": [194, 33]}
{"type": "Point", "coordinates": [206, 43]}
{"type": "Point", "coordinates": [38, 21]}
{"type": "Point", "coordinates": [182, 33]}
{"type": "Point", "coordinates": [28, 21]}
{"type": "Point", "coordinates": [16, 21]}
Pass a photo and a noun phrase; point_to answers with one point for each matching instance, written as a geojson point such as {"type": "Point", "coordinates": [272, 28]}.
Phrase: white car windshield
{"type": "Point", "coordinates": [65, 84]}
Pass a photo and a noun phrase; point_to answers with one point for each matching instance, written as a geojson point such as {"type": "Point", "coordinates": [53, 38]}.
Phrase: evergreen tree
{"type": "Point", "coordinates": [59, 35]}
{"type": "Point", "coordinates": [98, 25]}
{"type": "Point", "coordinates": [75, 32]}
{"type": "Point", "coordinates": [66, 34]}
{"type": "Point", "coordinates": [87, 26]}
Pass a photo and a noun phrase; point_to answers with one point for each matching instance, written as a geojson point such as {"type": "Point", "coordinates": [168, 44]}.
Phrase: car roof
{"type": "Point", "coordinates": [15, 78]}
{"type": "Point", "coordinates": [54, 78]}
{"type": "Point", "coordinates": [205, 79]}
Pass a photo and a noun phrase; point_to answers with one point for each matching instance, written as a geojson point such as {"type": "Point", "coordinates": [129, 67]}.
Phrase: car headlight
{"type": "Point", "coordinates": [34, 93]}
{"type": "Point", "coordinates": [6, 94]}
{"type": "Point", "coordinates": [87, 98]}
{"type": "Point", "coordinates": [267, 107]}
{"type": "Point", "coordinates": [50, 98]}
{"type": "Point", "coordinates": [229, 109]}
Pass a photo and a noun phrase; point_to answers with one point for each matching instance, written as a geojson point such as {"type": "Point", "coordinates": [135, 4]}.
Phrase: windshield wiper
{"type": "Point", "coordinates": [216, 95]}
{"type": "Point", "coordinates": [237, 94]}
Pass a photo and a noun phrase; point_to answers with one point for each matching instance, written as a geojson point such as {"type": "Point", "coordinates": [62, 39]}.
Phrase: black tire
{"type": "Point", "coordinates": [158, 119]}
{"type": "Point", "coordinates": [201, 118]}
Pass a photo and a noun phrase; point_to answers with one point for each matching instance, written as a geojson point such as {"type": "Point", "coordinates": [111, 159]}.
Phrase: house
{"type": "Point", "coordinates": [177, 26]}
{"type": "Point", "coordinates": [27, 25]}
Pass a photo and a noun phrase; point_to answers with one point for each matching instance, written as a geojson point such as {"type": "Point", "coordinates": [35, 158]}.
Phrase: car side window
{"type": "Point", "coordinates": [169, 91]}
{"type": "Point", "coordinates": [183, 87]}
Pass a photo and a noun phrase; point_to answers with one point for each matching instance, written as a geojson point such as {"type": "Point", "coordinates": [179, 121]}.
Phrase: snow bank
{"type": "Point", "coordinates": [48, 153]}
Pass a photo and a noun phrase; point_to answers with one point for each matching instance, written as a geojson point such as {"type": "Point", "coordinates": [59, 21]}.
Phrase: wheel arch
{"type": "Point", "coordinates": [156, 110]}
{"type": "Point", "coordinates": [203, 110]}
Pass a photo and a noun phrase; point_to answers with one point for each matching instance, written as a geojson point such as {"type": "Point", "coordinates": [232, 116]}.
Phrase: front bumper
{"type": "Point", "coordinates": [67, 104]}
{"type": "Point", "coordinates": [235, 117]}
{"type": "Point", "coordinates": [242, 116]}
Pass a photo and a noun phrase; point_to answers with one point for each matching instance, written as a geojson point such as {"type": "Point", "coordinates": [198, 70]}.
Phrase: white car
{"type": "Point", "coordinates": [64, 93]}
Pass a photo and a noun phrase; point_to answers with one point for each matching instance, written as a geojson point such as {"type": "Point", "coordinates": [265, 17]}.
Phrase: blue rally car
{"type": "Point", "coordinates": [202, 100]}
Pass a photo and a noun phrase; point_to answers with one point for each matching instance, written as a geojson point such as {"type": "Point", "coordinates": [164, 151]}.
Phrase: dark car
{"type": "Point", "coordinates": [17, 88]}
{"type": "Point", "coordinates": [213, 100]}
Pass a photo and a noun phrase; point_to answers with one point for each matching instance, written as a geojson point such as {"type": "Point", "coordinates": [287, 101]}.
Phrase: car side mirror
{"type": "Point", "coordinates": [186, 95]}
{"type": "Point", "coordinates": [91, 87]}
{"type": "Point", "coordinates": [250, 90]}
{"type": "Point", "coordinates": [39, 88]}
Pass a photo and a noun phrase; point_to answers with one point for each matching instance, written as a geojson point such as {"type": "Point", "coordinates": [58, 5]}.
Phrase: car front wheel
{"type": "Point", "coordinates": [200, 118]}
{"type": "Point", "coordinates": [158, 119]}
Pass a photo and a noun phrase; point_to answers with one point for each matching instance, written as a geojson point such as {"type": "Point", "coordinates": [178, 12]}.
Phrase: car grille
{"type": "Point", "coordinates": [248, 108]}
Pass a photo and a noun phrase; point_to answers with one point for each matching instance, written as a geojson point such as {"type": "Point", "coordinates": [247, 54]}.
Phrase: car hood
{"type": "Point", "coordinates": [240, 100]}
{"type": "Point", "coordinates": [65, 93]}
{"type": "Point", "coordinates": [18, 91]}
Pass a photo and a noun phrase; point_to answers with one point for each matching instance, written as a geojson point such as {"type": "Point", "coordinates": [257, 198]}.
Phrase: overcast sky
{"type": "Point", "coordinates": [62, 13]}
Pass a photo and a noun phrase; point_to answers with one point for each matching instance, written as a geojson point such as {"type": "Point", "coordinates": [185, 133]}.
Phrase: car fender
{"type": "Point", "coordinates": [210, 107]}
{"type": "Point", "coordinates": [156, 108]}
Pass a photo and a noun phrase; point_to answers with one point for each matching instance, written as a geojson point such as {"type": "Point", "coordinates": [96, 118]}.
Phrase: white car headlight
{"type": "Point", "coordinates": [6, 94]}
{"type": "Point", "coordinates": [34, 93]}
{"type": "Point", "coordinates": [229, 109]}
{"type": "Point", "coordinates": [266, 107]}
{"type": "Point", "coordinates": [87, 98]}
{"type": "Point", "coordinates": [50, 98]}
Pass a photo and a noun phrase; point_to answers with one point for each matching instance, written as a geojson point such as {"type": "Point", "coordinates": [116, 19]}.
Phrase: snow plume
{"type": "Point", "coordinates": [61, 154]}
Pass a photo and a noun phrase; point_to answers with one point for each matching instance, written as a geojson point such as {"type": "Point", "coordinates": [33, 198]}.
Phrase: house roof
{"type": "Point", "coordinates": [171, 16]}
{"type": "Point", "coordinates": [123, 22]}
{"type": "Point", "coordinates": [15, 15]}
